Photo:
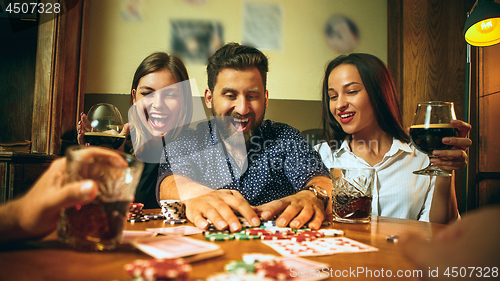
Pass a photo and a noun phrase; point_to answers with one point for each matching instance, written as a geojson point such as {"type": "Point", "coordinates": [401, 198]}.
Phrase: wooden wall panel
{"type": "Point", "coordinates": [67, 76]}
{"type": "Point", "coordinates": [57, 87]}
{"type": "Point", "coordinates": [427, 56]}
{"type": "Point", "coordinates": [492, 74]}
{"type": "Point", "coordinates": [489, 150]}
{"type": "Point", "coordinates": [42, 102]}
{"type": "Point", "coordinates": [487, 177]}
{"type": "Point", "coordinates": [434, 54]}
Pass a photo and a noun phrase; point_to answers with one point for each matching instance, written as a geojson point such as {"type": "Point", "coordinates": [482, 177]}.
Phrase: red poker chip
{"type": "Point", "coordinates": [159, 269]}
{"type": "Point", "coordinates": [257, 231]}
{"type": "Point", "coordinates": [273, 269]}
{"type": "Point", "coordinates": [136, 205]}
{"type": "Point", "coordinates": [275, 236]}
{"type": "Point", "coordinates": [302, 238]}
{"type": "Point", "coordinates": [311, 233]}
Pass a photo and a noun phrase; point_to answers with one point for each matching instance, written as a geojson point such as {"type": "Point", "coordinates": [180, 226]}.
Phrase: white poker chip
{"type": "Point", "coordinates": [237, 277]}
{"type": "Point", "coordinates": [173, 209]}
{"type": "Point", "coordinates": [256, 258]}
{"type": "Point", "coordinates": [276, 229]}
{"type": "Point", "coordinates": [331, 232]}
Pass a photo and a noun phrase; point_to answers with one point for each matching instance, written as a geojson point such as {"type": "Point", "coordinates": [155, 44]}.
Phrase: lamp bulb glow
{"type": "Point", "coordinates": [486, 26]}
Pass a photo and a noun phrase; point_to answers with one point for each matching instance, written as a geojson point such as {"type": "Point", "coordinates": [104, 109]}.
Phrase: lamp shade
{"type": "Point", "coordinates": [482, 27]}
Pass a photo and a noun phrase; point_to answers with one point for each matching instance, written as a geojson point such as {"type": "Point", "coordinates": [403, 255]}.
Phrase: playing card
{"type": "Point", "coordinates": [130, 235]}
{"type": "Point", "coordinates": [178, 230]}
{"type": "Point", "coordinates": [176, 247]}
{"type": "Point", "coordinates": [318, 247]}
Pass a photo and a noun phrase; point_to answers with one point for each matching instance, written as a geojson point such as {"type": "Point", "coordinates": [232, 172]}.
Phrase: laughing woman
{"type": "Point", "coordinates": [161, 107]}
{"type": "Point", "coordinates": [363, 128]}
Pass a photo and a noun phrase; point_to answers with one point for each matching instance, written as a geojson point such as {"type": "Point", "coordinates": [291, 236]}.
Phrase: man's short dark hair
{"type": "Point", "coordinates": [236, 56]}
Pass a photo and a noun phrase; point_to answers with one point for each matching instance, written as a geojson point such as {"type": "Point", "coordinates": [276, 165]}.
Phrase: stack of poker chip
{"type": "Point", "coordinates": [135, 211]}
{"type": "Point", "coordinates": [159, 269]}
{"type": "Point", "coordinates": [173, 210]}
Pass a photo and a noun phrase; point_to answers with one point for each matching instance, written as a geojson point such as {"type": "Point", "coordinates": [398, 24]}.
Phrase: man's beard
{"type": "Point", "coordinates": [226, 129]}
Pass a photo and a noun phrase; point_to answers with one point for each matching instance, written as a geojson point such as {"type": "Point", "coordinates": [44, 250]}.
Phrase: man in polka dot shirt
{"type": "Point", "coordinates": [239, 163]}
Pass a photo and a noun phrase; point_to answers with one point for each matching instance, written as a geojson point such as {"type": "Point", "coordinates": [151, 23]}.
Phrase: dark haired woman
{"type": "Point", "coordinates": [161, 107]}
{"type": "Point", "coordinates": [363, 128]}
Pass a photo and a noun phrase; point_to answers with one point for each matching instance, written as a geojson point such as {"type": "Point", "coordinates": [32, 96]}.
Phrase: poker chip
{"type": "Point", "coordinates": [240, 267]}
{"type": "Point", "coordinates": [213, 230]}
{"type": "Point", "coordinates": [135, 213]}
{"type": "Point", "coordinates": [219, 237]}
{"type": "Point", "coordinates": [273, 269]}
{"type": "Point", "coordinates": [173, 209]}
{"type": "Point", "coordinates": [159, 269]}
{"type": "Point", "coordinates": [253, 258]}
{"type": "Point", "coordinates": [269, 223]}
{"type": "Point", "coordinates": [302, 238]}
{"type": "Point", "coordinates": [276, 229]}
{"type": "Point", "coordinates": [302, 229]}
{"type": "Point", "coordinates": [154, 216]}
{"type": "Point", "coordinates": [137, 219]}
{"type": "Point", "coordinates": [237, 277]}
{"type": "Point", "coordinates": [136, 206]}
{"type": "Point", "coordinates": [257, 231]}
{"type": "Point", "coordinates": [331, 232]}
{"type": "Point", "coordinates": [175, 221]}
{"type": "Point", "coordinates": [275, 236]}
{"type": "Point", "coordinates": [243, 236]}
{"type": "Point", "coordinates": [310, 233]}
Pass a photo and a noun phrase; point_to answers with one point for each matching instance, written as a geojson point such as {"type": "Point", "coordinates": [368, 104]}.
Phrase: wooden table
{"type": "Point", "coordinates": [49, 260]}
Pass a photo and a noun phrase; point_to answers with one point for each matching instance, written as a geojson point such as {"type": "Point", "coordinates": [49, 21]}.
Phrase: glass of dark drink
{"type": "Point", "coordinates": [106, 123]}
{"type": "Point", "coordinates": [98, 225]}
{"type": "Point", "coordinates": [433, 123]}
{"type": "Point", "coordinates": [352, 194]}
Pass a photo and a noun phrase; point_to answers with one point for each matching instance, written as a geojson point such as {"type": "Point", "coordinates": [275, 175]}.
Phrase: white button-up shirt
{"type": "Point", "coordinates": [397, 192]}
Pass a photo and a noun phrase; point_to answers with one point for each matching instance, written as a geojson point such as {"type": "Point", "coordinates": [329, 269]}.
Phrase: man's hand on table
{"type": "Point", "coordinates": [295, 210]}
{"type": "Point", "coordinates": [219, 206]}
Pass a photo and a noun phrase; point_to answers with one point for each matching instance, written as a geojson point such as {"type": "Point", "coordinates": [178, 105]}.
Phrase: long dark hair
{"type": "Point", "coordinates": [380, 87]}
{"type": "Point", "coordinates": [162, 61]}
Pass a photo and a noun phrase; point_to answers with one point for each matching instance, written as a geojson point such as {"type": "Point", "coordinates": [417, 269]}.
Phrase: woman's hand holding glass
{"type": "Point", "coordinates": [456, 158]}
{"type": "Point", "coordinates": [104, 127]}
{"type": "Point", "coordinates": [436, 132]}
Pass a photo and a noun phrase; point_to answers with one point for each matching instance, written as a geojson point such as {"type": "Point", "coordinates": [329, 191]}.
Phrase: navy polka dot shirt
{"type": "Point", "coordinates": [280, 161]}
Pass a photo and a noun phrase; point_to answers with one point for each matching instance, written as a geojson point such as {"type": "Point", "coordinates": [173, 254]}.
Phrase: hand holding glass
{"type": "Point", "coordinates": [98, 225]}
{"type": "Point", "coordinates": [433, 123]}
{"type": "Point", "coordinates": [106, 123]}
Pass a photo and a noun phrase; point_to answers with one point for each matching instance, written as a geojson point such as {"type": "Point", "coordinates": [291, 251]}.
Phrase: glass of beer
{"type": "Point", "coordinates": [106, 123]}
{"type": "Point", "coordinates": [352, 194]}
{"type": "Point", "coordinates": [98, 225]}
{"type": "Point", "coordinates": [433, 123]}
